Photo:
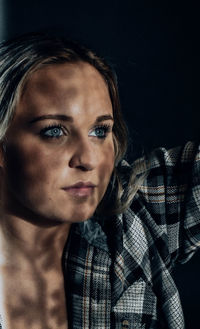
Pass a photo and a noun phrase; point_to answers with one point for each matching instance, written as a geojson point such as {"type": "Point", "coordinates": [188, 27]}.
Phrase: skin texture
{"type": "Point", "coordinates": [36, 210]}
{"type": "Point", "coordinates": [45, 166]}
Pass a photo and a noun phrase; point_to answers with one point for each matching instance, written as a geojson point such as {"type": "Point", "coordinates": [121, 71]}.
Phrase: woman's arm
{"type": "Point", "coordinates": [171, 193]}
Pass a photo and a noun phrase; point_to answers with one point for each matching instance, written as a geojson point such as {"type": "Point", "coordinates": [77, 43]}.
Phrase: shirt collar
{"type": "Point", "coordinates": [93, 233]}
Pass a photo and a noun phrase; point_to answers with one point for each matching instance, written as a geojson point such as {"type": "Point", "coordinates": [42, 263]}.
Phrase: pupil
{"type": "Point", "coordinates": [99, 132]}
{"type": "Point", "coordinates": [55, 131]}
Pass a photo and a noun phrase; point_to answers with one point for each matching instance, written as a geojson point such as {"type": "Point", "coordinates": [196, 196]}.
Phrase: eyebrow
{"type": "Point", "coordinates": [68, 118]}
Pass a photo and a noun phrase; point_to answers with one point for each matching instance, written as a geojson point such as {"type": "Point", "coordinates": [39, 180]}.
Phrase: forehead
{"type": "Point", "coordinates": [58, 85]}
{"type": "Point", "coordinates": [62, 74]}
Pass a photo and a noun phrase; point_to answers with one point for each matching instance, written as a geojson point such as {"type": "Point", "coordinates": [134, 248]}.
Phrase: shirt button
{"type": "Point", "coordinates": [125, 324]}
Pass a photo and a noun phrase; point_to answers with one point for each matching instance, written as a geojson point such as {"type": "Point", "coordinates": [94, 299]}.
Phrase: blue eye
{"type": "Point", "coordinates": [101, 131]}
{"type": "Point", "coordinates": [52, 132]}
{"type": "Point", "coordinates": [56, 131]}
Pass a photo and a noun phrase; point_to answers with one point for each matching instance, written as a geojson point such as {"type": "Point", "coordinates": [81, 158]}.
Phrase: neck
{"type": "Point", "coordinates": [20, 239]}
{"type": "Point", "coordinates": [33, 253]}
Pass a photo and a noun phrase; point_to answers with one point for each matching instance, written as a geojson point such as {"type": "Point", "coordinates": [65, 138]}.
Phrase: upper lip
{"type": "Point", "coordinates": [81, 184]}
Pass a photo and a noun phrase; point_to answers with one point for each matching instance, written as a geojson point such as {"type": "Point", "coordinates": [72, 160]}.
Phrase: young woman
{"type": "Point", "coordinates": [86, 240]}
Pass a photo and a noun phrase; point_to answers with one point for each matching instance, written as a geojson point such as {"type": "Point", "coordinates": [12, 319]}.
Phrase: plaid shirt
{"type": "Point", "coordinates": [118, 271]}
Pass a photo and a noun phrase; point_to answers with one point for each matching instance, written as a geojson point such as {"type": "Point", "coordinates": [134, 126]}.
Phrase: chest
{"type": "Point", "coordinates": [32, 299]}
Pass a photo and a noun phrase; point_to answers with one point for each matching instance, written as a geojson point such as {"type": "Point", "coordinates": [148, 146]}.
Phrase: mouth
{"type": "Point", "coordinates": [80, 189]}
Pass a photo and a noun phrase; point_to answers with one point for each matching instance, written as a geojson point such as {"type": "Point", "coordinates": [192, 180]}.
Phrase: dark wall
{"type": "Point", "coordinates": [153, 46]}
{"type": "Point", "coordinates": [150, 44]}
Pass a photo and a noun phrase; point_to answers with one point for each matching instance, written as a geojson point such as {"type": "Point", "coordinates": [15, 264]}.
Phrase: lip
{"type": "Point", "coordinates": [80, 185]}
{"type": "Point", "coordinates": [80, 189]}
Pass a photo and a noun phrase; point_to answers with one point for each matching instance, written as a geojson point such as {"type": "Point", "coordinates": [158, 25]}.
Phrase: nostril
{"type": "Point", "coordinates": [84, 157]}
{"type": "Point", "coordinates": [84, 168]}
{"type": "Point", "coordinates": [80, 164]}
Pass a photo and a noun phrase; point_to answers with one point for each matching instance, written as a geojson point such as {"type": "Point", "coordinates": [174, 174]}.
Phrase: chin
{"type": "Point", "coordinates": [81, 217]}
{"type": "Point", "coordinates": [79, 214]}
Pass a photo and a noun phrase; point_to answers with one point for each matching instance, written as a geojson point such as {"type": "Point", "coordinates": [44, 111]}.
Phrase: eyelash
{"type": "Point", "coordinates": [106, 128]}
{"type": "Point", "coordinates": [51, 127]}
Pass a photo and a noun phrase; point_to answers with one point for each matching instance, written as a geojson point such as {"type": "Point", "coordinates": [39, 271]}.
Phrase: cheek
{"type": "Point", "coordinates": [25, 166]}
{"type": "Point", "coordinates": [106, 167]}
{"type": "Point", "coordinates": [33, 174]}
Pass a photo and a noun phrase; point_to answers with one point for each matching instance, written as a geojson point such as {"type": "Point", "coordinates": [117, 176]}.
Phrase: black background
{"type": "Point", "coordinates": [153, 46]}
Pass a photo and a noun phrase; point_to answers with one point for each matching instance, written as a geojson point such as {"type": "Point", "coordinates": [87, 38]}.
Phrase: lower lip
{"type": "Point", "coordinates": [80, 191]}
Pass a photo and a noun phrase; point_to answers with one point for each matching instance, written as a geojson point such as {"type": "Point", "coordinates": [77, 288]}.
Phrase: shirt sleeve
{"type": "Point", "coordinates": [171, 192]}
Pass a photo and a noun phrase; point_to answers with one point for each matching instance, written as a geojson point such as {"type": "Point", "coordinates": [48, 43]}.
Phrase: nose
{"type": "Point", "coordinates": [84, 156]}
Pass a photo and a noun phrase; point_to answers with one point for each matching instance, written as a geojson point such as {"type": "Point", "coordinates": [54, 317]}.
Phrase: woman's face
{"type": "Point", "coordinates": [61, 135]}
